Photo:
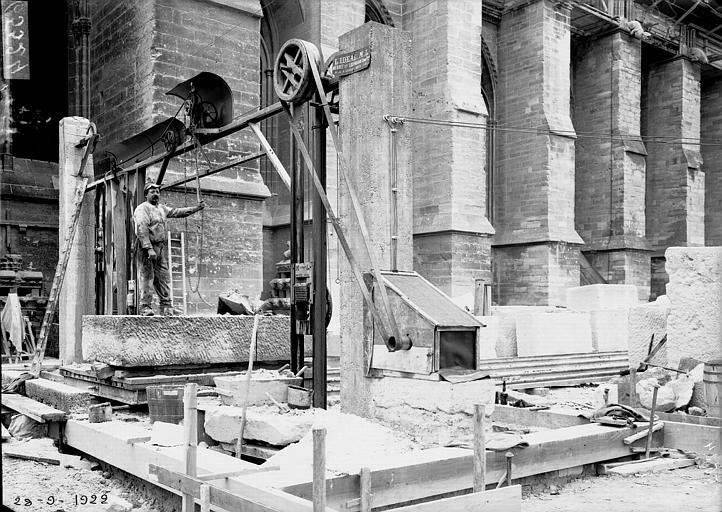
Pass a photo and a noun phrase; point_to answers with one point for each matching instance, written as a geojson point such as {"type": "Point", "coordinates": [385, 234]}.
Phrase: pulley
{"type": "Point", "coordinates": [160, 137]}
{"type": "Point", "coordinates": [208, 98]}
{"type": "Point", "coordinates": [292, 75]}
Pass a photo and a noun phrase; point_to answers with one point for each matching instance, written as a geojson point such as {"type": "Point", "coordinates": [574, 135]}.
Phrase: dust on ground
{"type": "Point", "coordinates": [39, 487]}
{"type": "Point", "coordinates": [681, 490]}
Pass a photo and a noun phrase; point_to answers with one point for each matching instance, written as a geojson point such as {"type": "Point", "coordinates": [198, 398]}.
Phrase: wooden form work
{"type": "Point", "coordinates": [420, 475]}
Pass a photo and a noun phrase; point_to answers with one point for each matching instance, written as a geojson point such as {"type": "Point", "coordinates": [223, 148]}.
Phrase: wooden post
{"type": "Point", "coordinates": [478, 297]}
{"type": "Point", "coordinates": [651, 422]}
{"type": "Point", "coordinates": [365, 485]}
{"type": "Point", "coordinates": [190, 431]}
{"type": "Point", "coordinates": [251, 357]}
{"type": "Point", "coordinates": [205, 491]}
{"type": "Point", "coordinates": [633, 387]}
{"type": "Point", "coordinates": [479, 449]}
{"type": "Point", "coordinates": [319, 469]}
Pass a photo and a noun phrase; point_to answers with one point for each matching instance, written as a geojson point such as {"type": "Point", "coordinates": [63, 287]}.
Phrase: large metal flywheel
{"type": "Point", "coordinates": [292, 75]}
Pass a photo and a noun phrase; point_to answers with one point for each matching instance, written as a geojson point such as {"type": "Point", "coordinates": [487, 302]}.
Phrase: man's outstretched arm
{"type": "Point", "coordinates": [184, 212]}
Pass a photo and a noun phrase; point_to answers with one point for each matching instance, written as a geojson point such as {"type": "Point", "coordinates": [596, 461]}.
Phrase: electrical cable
{"type": "Point", "coordinates": [655, 139]}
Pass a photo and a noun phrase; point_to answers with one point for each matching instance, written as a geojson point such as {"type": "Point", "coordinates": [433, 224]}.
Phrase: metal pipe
{"type": "Point", "coordinates": [393, 185]}
{"type": "Point", "coordinates": [320, 265]}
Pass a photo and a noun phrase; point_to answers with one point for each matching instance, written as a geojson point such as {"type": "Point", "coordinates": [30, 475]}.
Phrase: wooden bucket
{"type": "Point", "coordinates": [713, 387]}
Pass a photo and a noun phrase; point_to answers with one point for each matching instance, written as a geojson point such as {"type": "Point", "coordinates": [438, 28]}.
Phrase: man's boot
{"type": "Point", "coordinates": [146, 311]}
{"type": "Point", "coordinates": [169, 311]}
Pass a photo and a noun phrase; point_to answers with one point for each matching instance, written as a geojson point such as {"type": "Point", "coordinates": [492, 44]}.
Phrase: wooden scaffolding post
{"type": "Point", "coordinates": [319, 469]}
{"type": "Point", "coordinates": [365, 486]}
{"type": "Point", "coordinates": [190, 429]}
{"type": "Point", "coordinates": [479, 449]}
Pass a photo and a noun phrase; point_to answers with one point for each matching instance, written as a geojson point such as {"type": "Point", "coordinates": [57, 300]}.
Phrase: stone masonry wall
{"type": "Point", "coordinates": [711, 128]}
{"type": "Point", "coordinates": [675, 181]}
{"type": "Point", "coordinates": [449, 161]}
{"type": "Point", "coordinates": [140, 50]}
{"type": "Point", "coordinates": [610, 174]}
{"type": "Point", "coordinates": [534, 183]}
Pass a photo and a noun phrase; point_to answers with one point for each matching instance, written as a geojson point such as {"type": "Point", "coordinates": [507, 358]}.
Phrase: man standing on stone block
{"type": "Point", "coordinates": [150, 230]}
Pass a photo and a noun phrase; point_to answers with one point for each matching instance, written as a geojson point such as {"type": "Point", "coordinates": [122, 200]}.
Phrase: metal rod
{"type": "Point", "coordinates": [295, 363]}
{"type": "Point", "coordinates": [479, 449]}
{"type": "Point", "coordinates": [651, 423]}
{"type": "Point", "coordinates": [320, 266]}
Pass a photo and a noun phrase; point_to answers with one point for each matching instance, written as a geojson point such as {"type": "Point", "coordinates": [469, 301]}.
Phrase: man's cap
{"type": "Point", "coordinates": [149, 185]}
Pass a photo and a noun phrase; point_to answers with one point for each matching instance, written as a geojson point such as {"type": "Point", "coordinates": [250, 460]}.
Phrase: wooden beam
{"type": "Point", "coordinates": [39, 412]}
{"type": "Point", "coordinates": [506, 499]}
{"type": "Point", "coordinates": [545, 419]}
{"type": "Point", "coordinates": [239, 496]}
{"type": "Point", "coordinates": [108, 442]}
{"type": "Point", "coordinates": [649, 466]}
{"type": "Point", "coordinates": [452, 469]}
{"type": "Point", "coordinates": [701, 439]}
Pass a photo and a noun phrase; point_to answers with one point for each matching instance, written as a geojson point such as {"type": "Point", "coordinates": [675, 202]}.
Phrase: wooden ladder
{"type": "Point", "coordinates": [89, 142]}
{"type": "Point", "coordinates": [177, 268]}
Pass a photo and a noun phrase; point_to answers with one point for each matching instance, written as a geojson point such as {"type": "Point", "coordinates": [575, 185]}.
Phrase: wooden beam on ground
{"type": "Point", "coordinates": [649, 466]}
{"type": "Point", "coordinates": [688, 418]}
{"type": "Point", "coordinates": [108, 442]}
{"type": "Point", "coordinates": [39, 412]}
{"type": "Point", "coordinates": [701, 439]}
{"type": "Point", "coordinates": [506, 499]}
{"type": "Point", "coordinates": [239, 496]}
{"type": "Point", "coordinates": [451, 469]}
{"type": "Point", "coordinates": [530, 418]}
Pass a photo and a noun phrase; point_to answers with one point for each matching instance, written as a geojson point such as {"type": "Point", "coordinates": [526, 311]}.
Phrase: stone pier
{"type": "Point", "coordinates": [536, 248]}
{"type": "Point", "coordinates": [610, 173]}
{"type": "Point", "coordinates": [77, 295]}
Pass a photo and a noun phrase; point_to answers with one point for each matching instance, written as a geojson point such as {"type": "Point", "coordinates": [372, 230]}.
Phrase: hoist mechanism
{"type": "Point", "coordinates": [208, 100]}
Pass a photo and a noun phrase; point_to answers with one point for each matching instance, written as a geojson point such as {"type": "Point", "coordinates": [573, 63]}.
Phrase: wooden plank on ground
{"type": "Point", "coordinates": [29, 407]}
{"type": "Point", "coordinates": [548, 451]}
{"type": "Point", "coordinates": [688, 418]}
{"type": "Point", "coordinates": [650, 466]}
{"type": "Point", "coordinates": [9, 452]}
{"type": "Point", "coordinates": [544, 419]}
{"type": "Point", "coordinates": [701, 439]}
{"type": "Point", "coordinates": [505, 499]}
{"type": "Point", "coordinates": [239, 496]}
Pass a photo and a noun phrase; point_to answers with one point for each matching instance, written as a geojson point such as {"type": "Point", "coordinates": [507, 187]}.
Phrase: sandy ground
{"type": "Point", "coordinates": [680, 490]}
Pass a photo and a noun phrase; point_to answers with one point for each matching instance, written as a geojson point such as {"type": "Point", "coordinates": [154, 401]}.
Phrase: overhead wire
{"type": "Point", "coordinates": [657, 139]}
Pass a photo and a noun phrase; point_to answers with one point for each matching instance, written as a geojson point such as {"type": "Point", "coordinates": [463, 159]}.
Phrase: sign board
{"type": "Point", "coordinates": [16, 40]}
{"type": "Point", "coordinates": [350, 62]}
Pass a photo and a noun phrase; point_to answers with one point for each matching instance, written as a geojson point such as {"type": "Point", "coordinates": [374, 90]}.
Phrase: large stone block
{"type": "Point", "coordinates": [539, 334]}
{"type": "Point", "coordinates": [644, 321]}
{"type": "Point", "coordinates": [59, 395]}
{"type": "Point", "coordinates": [489, 336]}
{"type": "Point", "coordinates": [507, 319]}
{"type": "Point", "coordinates": [694, 326]}
{"type": "Point", "coordinates": [595, 297]}
{"type": "Point", "coordinates": [609, 329]}
{"type": "Point", "coordinates": [162, 341]}
{"type": "Point", "coordinates": [263, 424]}
{"type": "Point", "coordinates": [432, 412]}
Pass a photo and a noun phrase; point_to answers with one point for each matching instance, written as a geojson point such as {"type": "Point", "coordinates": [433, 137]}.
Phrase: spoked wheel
{"type": "Point", "coordinates": [292, 76]}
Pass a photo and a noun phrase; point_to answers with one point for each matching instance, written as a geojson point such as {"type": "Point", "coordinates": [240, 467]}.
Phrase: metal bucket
{"type": "Point", "coordinates": [299, 398]}
{"type": "Point", "coordinates": [713, 387]}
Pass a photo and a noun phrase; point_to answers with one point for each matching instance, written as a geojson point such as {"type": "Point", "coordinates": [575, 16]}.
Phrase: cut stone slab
{"type": "Point", "coordinates": [489, 336]}
{"type": "Point", "coordinates": [263, 423]}
{"type": "Point", "coordinates": [596, 297]}
{"type": "Point", "coordinates": [263, 383]}
{"type": "Point", "coordinates": [644, 321]}
{"type": "Point", "coordinates": [694, 325]}
{"type": "Point", "coordinates": [167, 434]}
{"type": "Point", "coordinates": [539, 334]}
{"type": "Point", "coordinates": [59, 395]}
{"type": "Point", "coordinates": [131, 341]}
{"type": "Point", "coordinates": [609, 329]}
